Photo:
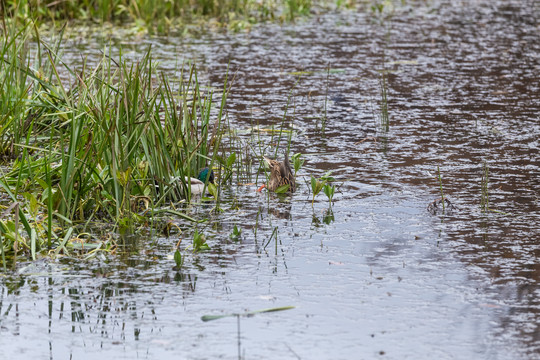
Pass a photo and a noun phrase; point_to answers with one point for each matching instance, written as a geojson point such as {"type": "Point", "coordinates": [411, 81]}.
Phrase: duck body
{"type": "Point", "coordinates": [197, 184]}
{"type": "Point", "coordinates": [280, 174]}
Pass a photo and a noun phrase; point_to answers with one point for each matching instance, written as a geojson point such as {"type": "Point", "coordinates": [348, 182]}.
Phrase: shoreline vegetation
{"type": "Point", "coordinates": [114, 143]}
{"type": "Point", "coordinates": [163, 16]}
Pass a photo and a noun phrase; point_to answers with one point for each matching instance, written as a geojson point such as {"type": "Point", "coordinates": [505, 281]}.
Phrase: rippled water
{"type": "Point", "coordinates": [380, 277]}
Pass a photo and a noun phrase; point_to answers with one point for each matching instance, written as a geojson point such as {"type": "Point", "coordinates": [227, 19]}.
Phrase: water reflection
{"type": "Point", "coordinates": [326, 218]}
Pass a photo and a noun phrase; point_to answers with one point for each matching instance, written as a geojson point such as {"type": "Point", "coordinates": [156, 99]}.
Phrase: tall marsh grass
{"type": "Point", "coordinates": [158, 15]}
{"type": "Point", "coordinates": [114, 142]}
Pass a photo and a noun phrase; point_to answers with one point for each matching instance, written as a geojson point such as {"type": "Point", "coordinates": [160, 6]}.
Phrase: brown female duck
{"type": "Point", "coordinates": [280, 174]}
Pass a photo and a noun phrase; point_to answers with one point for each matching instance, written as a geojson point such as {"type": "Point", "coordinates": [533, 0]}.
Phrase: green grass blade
{"type": "Point", "coordinates": [249, 313]}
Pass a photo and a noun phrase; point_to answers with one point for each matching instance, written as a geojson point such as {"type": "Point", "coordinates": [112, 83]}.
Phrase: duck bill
{"type": "Point", "coordinates": [268, 161]}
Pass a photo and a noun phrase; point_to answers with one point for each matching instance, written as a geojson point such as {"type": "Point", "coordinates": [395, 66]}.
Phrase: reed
{"type": "Point", "coordinates": [159, 15]}
{"type": "Point", "coordinates": [118, 135]}
{"type": "Point", "coordinates": [484, 185]}
{"type": "Point", "coordinates": [439, 177]}
{"type": "Point", "coordinates": [384, 118]}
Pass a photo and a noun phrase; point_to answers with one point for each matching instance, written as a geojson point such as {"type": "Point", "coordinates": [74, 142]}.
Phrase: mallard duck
{"type": "Point", "coordinates": [197, 184]}
{"type": "Point", "coordinates": [280, 174]}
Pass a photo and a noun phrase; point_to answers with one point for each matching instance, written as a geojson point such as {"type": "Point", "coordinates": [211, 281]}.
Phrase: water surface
{"type": "Point", "coordinates": [380, 276]}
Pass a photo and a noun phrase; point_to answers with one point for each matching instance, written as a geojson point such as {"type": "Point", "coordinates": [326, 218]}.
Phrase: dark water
{"type": "Point", "coordinates": [381, 277]}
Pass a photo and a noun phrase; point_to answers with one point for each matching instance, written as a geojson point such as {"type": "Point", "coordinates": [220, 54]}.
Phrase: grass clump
{"type": "Point", "coordinates": [159, 15]}
{"type": "Point", "coordinates": [114, 142]}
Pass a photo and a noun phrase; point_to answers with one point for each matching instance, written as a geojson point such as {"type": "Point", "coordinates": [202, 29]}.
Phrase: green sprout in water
{"type": "Point", "coordinates": [327, 178]}
{"type": "Point", "coordinates": [327, 188]}
{"type": "Point", "coordinates": [178, 259]}
{"type": "Point", "coordinates": [297, 162]}
{"type": "Point", "coordinates": [236, 233]}
{"type": "Point", "coordinates": [322, 184]}
{"type": "Point", "coordinates": [329, 192]}
{"type": "Point", "coordinates": [441, 187]}
{"type": "Point", "coordinates": [228, 165]}
{"type": "Point", "coordinates": [316, 187]}
{"type": "Point", "coordinates": [199, 242]}
{"type": "Point", "coordinates": [377, 8]}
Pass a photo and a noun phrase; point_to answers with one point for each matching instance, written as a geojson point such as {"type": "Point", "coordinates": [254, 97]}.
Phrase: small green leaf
{"type": "Point", "coordinates": [231, 159]}
{"type": "Point", "coordinates": [42, 183]}
{"type": "Point", "coordinates": [212, 189]}
{"type": "Point", "coordinates": [213, 317]}
{"type": "Point", "coordinates": [199, 242]}
{"type": "Point", "coordinates": [297, 162]}
{"type": "Point", "coordinates": [32, 203]}
{"type": "Point", "coordinates": [318, 187]}
{"type": "Point", "coordinates": [123, 176]}
{"type": "Point", "coordinates": [247, 314]}
{"type": "Point", "coordinates": [329, 190]}
{"type": "Point", "coordinates": [327, 178]}
{"type": "Point", "coordinates": [236, 233]}
{"type": "Point", "coordinates": [282, 189]}
{"type": "Point", "coordinates": [178, 259]}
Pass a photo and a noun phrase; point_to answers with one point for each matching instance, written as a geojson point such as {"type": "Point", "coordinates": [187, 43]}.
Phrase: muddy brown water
{"type": "Point", "coordinates": [380, 277]}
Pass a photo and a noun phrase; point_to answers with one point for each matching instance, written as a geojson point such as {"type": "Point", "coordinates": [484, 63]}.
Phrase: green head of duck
{"type": "Point", "coordinates": [205, 174]}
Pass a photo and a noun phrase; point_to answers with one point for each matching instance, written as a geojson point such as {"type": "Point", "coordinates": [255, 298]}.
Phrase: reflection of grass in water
{"type": "Point", "coordinates": [274, 236]}
{"type": "Point", "coordinates": [484, 197]}
{"type": "Point", "coordinates": [325, 115]}
{"type": "Point", "coordinates": [484, 184]}
{"type": "Point", "coordinates": [441, 188]}
{"type": "Point", "coordinates": [248, 314]}
{"type": "Point", "coordinates": [384, 119]}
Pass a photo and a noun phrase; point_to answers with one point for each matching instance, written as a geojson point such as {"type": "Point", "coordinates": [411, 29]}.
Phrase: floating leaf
{"type": "Point", "coordinates": [249, 313]}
